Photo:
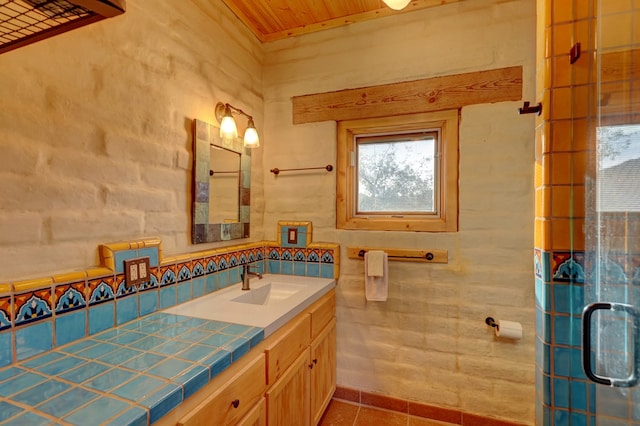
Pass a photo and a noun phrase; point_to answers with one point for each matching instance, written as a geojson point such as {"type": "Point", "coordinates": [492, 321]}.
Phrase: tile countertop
{"type": "Point", "coordinates": [128, 375]}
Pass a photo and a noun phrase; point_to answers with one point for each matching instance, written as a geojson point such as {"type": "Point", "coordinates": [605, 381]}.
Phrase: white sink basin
{"type": "Point", "coordinates": [272, 292]}
{"type": "Point", "coordinates": [271, 302]}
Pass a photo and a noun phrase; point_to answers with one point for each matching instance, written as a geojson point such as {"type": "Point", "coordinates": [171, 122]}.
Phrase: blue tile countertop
{"type": "Point", "coordinates": [129, 375]}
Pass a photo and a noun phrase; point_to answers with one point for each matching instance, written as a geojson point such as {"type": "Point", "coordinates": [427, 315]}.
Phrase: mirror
{"type": "Point", "coordinates": [224, 181]}
{"type": "Point", "coordinates": [221, 186]}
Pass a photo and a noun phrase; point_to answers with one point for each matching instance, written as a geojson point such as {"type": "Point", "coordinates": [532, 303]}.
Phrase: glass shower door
{"type": "Point", "coordinates": [611, 320]}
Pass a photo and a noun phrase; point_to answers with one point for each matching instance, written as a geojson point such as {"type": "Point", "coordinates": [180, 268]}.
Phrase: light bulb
{"type": "Point", "coordinates": [397, 4]}
{"type": "Point", "coordinates": [251, 139]}
{"type": "Point", "coordinates": [228, 128]}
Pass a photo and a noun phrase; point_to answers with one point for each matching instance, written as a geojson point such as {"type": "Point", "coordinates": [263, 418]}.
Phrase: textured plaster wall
{"type": "Point", "coordinates": [95, 131]}
{"type": "Point", "coordinates": [96, 147]}
{"type": "Point", "coordinates": [428, 342]}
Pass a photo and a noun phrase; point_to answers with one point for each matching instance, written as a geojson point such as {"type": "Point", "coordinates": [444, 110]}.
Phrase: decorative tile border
{"type": "Point", "coordinates": [6, 311]}
{"type": "Point", "coordinates": [41, 314]}
{"type": "Point", "coordinates": [317, 260]}
{"type": "Point", "coordinates": [101, 290]}
{"type": "Point", "coordinates": [568, 267]}
{"type": "Point", "coordinates": [33, 306]}
{"type": "Point", "coordinates": [69, 297]}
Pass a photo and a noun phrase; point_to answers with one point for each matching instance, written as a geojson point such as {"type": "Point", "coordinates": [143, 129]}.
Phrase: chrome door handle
{"type": "Point", "coordinates": [588, 311]}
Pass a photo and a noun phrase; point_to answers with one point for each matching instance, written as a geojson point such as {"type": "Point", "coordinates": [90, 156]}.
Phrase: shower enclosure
{"type": "Point", "coordinates": [587, 253]}
{"type": "Point", "coordinates": [611, 319]}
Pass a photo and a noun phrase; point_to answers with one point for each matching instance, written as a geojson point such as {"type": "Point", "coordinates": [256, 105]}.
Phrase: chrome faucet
{"type": "Point", "coordinates": [244, 275]}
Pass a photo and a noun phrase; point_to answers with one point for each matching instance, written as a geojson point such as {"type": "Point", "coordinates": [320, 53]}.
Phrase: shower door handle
{"type": "Point", "coordinates": [588, 311]}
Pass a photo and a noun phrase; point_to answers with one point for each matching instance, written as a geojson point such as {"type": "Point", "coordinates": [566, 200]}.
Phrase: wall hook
{"type": "Point", "coordinates": [526, 109]}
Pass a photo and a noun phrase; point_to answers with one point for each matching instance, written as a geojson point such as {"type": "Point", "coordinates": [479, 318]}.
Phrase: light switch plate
{"type": "Point", "coordinates": [292, 235]}
{"type": "Point", "coordinates": [137, 271]}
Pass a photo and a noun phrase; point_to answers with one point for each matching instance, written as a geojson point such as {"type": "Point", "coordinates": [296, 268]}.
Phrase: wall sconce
{"type": "Point", "coordinates": [396, 4]}
{"type": "Point", "coordinates": [228, 128]}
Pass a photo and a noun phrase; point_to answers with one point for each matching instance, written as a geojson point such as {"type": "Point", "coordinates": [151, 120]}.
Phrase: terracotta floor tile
{"type": "Point", "coordinates": [475, 420]}
{"type": "Point", "coordinates": [420, 421]}
{"type": "Point", "coordinates": [339, 413]}
{"type": "Point", "coordinates": [345, 413]}
{"type": "Point", "coordinates": [368, 416]}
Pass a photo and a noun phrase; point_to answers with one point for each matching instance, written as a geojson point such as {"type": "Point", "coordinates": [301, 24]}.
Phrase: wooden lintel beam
{"type": "Point", "coordinates": [430, 94]}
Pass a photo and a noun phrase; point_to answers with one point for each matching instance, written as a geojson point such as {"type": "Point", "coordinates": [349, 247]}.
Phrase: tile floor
{"type": "Point", "coordinates": [345, 413]}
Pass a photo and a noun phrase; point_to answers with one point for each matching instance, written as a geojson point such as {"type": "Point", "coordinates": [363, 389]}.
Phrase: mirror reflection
{"type": "Point", "coordinates": [224, 185]}
{"type": "Point", "coordinates": [221, 186]}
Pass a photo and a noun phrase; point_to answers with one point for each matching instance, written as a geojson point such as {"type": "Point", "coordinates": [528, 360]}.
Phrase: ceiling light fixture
{"type": "Point", "coordinates": [397, 4]}
{"type": "Point", "coordinates": [229, 129]}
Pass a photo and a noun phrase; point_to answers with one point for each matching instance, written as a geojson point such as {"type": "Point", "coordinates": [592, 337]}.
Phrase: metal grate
{"type": "Point", "coordinates": [20, 19]}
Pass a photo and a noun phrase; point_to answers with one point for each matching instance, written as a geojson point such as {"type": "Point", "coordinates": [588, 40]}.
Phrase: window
{"type": "Point", "coordinates": [399, 173]}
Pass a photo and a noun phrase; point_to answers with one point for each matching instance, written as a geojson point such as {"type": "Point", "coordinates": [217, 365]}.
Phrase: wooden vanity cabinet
{"type": "Point", "coordinates": [303, 388]}
{"type": "Point", "coordinates": [287, 379]}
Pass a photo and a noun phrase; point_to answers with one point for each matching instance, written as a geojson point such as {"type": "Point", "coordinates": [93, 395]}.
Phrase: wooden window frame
{"type": "Point", "coordinates": [447, 219]}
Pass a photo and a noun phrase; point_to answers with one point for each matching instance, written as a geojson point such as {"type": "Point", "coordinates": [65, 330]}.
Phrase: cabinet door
{"type": "Point", "coordinates": [257, 416]}
{"type": "Point", "coordinates": [288, 398]}
{"type": "Point", "coordinates": [233, 399]}
{"type": "Point", "coordinates": [284, 350]}
{"type": "Point", "coordinates": [322, 312]}
{"type": "Point", "coordinates": [323, 373]}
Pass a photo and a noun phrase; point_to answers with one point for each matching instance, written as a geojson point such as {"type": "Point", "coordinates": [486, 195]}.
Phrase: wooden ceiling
{"type": "Point", "coordinates": [273, 20]}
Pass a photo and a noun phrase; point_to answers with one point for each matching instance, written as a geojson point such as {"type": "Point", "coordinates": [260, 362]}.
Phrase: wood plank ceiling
{"type": "Point", "coordinates": [273, 20]}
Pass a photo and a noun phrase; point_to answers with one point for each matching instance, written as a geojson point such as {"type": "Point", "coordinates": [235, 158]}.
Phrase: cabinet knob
{"type": "Point", "coordinates": [235, 403]}
{"type": "Point", "coordinates": [315, 361]}
{"type": "Point", "coordinates": [311, 366]}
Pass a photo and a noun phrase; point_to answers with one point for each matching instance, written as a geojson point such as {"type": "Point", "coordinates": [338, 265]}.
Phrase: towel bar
{"type": "Point", "coordinates": [403, 255]}
{"type": "Point", "coordinates": [276, 171]}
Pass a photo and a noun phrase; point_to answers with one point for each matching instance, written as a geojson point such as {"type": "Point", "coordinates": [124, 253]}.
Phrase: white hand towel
{"type": "Point", "coordinates": [374, 260]}
{"type": "Point", "coordinates": [376, 288]}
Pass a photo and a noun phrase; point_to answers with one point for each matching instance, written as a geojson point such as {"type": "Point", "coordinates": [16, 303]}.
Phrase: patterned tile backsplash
{"type": "Point", "coordinates": [42, 314]}
{"type": "Point", "coordinates": [86, 348]}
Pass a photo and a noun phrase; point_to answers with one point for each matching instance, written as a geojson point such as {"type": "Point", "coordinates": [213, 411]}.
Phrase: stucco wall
{"type": "Point", "coordinates": [95, 131]}
{"type": "Point", "coordinates": [95, 143]}
{"type": "Point", "coordinates": [428, 342]}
